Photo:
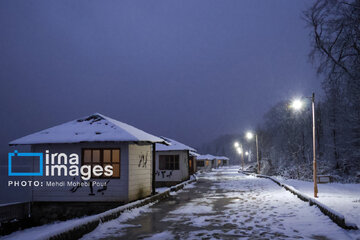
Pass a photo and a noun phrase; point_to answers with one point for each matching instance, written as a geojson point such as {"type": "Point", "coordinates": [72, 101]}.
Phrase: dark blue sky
{"type": "Point", "coordinates": [189, 70]}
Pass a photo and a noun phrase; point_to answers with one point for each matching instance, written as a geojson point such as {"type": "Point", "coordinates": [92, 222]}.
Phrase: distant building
{"type": "Point", "coordinates": [205, 162]}
{"type": "Point", "coordinates": [98, 141]}
{"type": "Point", "coordinates": [217, 162]}
{"type": "Point", "coordinates": [222, 161]}
{"type": "Point", "coordinates": [173, 163]}
{"type": "Point", "coordinates": [192, 162]}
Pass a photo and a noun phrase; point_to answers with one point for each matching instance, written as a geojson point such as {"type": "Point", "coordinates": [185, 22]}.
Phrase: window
{"type": "Point", "coordinates": [200, 163]}
{"type": "Point", "coordinates": [169, 162]}
{"type": "Point", "coordinates": [103, 157]}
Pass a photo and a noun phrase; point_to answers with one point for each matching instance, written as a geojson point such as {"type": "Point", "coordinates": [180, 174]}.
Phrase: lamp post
{"type": "Point", "coordinates": [249, 135]}
{"type": "Point", "coordinates": [240, 151]}
{"type": "Point", "coordinates": [297, 105]}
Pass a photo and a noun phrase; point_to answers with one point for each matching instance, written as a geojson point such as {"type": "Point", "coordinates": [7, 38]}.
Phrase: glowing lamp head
{"type": "Point", "coordinates": [246, 153]}
{"type": "Point", "coordinates": [249, 135]}
{"type": "Point", "coordinates": [236, 144]}
{"type": "Point", "coordinates": [239, 150]}
{"type": "Point", "coordinates": [297, 104]}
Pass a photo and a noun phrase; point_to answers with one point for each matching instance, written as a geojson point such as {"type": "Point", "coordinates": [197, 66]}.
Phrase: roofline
{"type": "Point", "coordinates": [129, 141]}
{"type": "Point", "coordinates": [111, 120]}
{"type": "Point", "coordinates": [173, 150]}
{"type": "Point", "coordinates": [166, 139]}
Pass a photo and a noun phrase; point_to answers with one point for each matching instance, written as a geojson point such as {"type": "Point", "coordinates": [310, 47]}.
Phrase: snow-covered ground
{"type": "Point", "coordinates": [343, 198]}
{"type": "Point", "coordinates": [224, 204]}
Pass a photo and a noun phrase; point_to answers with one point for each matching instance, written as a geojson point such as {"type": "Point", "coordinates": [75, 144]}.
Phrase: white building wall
{"type": "Point", "coordinates": [218, 163]}
{"type": "Point", "coordinates": [116, 189]}
{"type": "Point", "coordinates": [208, 164]}
{"type": "Point", "coordinates": [173, 175]}
{"type": "Point", "coordinates": [140, 171]}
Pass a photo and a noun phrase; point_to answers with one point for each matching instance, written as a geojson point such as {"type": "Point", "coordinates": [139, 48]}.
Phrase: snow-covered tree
{"type": "Point", "coordinates": [335, 35]}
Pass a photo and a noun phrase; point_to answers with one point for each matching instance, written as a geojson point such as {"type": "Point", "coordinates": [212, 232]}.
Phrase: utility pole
{"type": "Point", "coordinates": [297, 105]}
{"type": "Point", "coordinates": [314, 146]}
{"type": "Point", "coordinates": [257, 152]}
{"type": "Point", "coordinates": [242, 157]}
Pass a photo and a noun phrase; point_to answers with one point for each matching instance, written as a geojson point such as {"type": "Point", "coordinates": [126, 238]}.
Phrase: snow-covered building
{"type": "Point", "coordinates": [192, 162]}
{"type": "Point", "coordinates": [94, 144]}
{"type": "Point", "coordinates": [217, 162]}
{"type": "Point", "coordinates": [205, 162]}
{"type": "Point", "coordinates": [172, 163]}
{"type": "Point", "coordinates": [222, 161]}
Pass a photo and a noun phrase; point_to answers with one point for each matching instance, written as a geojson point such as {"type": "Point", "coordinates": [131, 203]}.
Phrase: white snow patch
{"type": "Point", "coordinates": [192, 208]}
{"type": "Point", "coordinates": [343, 198]}
{"type": "Point", "coordinates": [188, 186]}
{"type": "Point", "coordinates": [117, 226]}
{"type": "Point", "coordinates": [162, 189]}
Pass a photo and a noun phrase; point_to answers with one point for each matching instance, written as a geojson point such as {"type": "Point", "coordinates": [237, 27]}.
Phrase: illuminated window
{"type": "Point", "coordinates": [103, 157]}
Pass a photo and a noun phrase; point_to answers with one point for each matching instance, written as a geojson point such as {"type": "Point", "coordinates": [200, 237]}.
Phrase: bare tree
{"type": "Point", "coordinates": [335, 35]}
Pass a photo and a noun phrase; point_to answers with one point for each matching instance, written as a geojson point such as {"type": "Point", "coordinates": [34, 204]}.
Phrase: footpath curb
{"type": "Point", "coordinates": [91, 222]}
{"type": "Point", "coordinates": [335, 216]}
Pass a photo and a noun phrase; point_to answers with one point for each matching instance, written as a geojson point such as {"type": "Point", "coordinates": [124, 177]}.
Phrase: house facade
{"type": "Point", "coordinates": [94, 159]}
{"type": "Point", "coordinates": [192, 162]}
{"type": "Point", "coordinates": [222, 161]}
{"type": "Point", "coordinates": [173, 163]}
{"type": "Point", "coordinates": [225, 161]}
{"type": "Point", "coordinates": [131, 178]}
{"type": "Point", "coordinates": [205, 162]}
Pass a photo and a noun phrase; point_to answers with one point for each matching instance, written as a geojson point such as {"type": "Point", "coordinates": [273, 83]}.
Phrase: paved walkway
{"type": "Point", "coordinates": [224, 204]}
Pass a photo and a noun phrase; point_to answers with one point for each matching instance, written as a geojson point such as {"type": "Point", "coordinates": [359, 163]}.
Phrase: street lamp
{"type": "Point", "coordinates": [249, 135]}
{"type": "Point", "coordinates": [297, 105]}
{"type": "Point", "coordinates": [240, 151]}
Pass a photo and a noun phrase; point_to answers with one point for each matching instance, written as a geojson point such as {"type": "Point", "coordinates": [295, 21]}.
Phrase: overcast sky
{"type": "Point", "coordinates": [189, 70]}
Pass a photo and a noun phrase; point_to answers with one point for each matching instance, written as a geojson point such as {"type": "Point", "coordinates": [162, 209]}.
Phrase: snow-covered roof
{"type": "Point", "coordinates": [194, 154]}
{"type": "Point", "coordinates": [222, 158]}
{"type": "Point", "coordinates": [206, 157]}
{"type": "Point", "coordinates": [173, 146]}
{"type": "Point", "coordinates": [93, 128]}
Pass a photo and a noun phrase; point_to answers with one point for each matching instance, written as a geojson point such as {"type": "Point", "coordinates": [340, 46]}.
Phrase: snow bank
{"type": "Point", "coordinates": [337, 217]}
{"type": "Point", "coordinates": [344, 198]}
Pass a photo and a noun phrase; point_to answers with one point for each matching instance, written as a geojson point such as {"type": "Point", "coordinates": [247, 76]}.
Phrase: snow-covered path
{"type": "Point", "coordinates": [224, 204]}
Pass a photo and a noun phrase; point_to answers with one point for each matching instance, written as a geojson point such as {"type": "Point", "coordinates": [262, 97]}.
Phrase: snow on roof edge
{"type": "Point", "coordinates": [173, 146]}
{"type": "Point", "coordinates": [114, 131]}
{"type": "Point", "coordinates": [206, 157]}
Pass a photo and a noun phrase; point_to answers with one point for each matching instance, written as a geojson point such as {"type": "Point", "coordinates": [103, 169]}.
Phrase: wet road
{"type": "Point", "coordinates": [224, 204]}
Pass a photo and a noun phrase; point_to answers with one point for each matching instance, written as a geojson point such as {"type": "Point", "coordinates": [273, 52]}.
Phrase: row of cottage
{"type": "Point", "coordinates": [100, 140]}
